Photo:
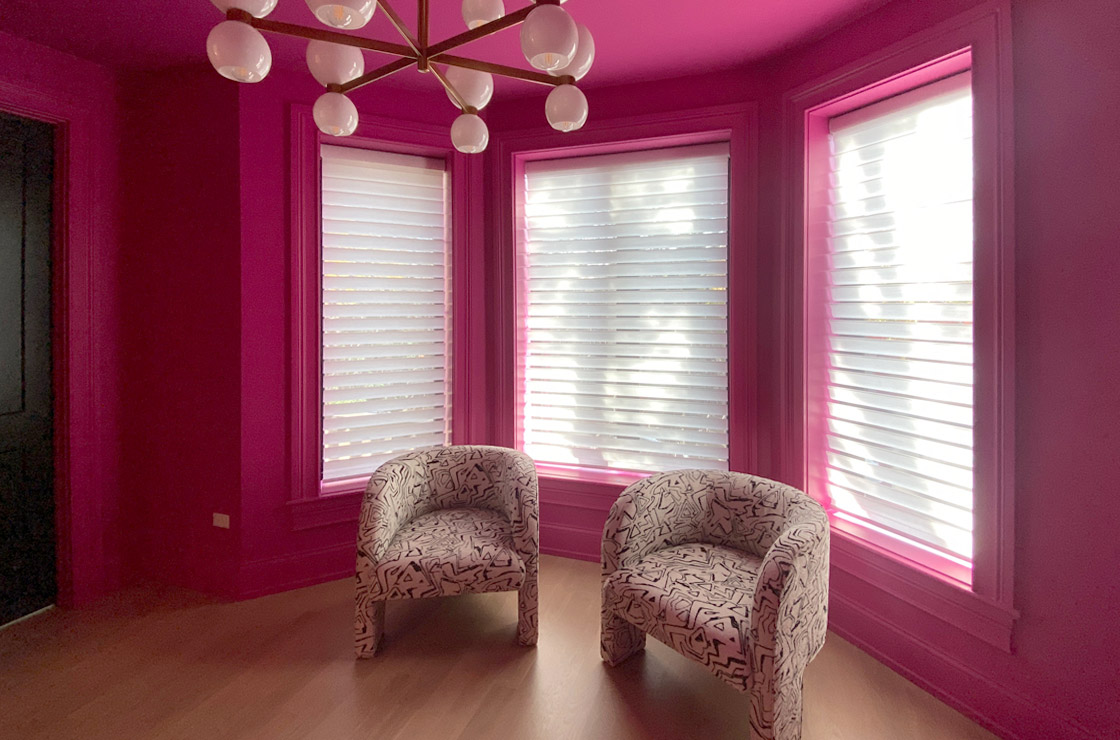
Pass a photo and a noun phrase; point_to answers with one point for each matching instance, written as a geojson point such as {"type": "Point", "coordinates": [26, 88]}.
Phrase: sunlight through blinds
{"type": "Point", "coordinates": [623, 315]}
{"type": "Point", "coordinates": [898, 433]}
{"type": "Point", "coordinates": [385, 312]}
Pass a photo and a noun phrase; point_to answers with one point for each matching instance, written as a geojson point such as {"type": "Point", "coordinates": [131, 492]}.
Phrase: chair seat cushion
{"type": "Point", "coordinates": [696, 598]}
{"type": "Point", "coordinates": [449, 552]}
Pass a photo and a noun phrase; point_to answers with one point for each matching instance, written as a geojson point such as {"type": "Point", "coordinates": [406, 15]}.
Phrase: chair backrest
{"type": "Point", "coordinates": [737, 510]}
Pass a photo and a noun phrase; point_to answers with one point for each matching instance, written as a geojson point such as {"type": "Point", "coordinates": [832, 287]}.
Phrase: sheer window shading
{"type": "Point", "coordinates": [385, 313]}
{"type": "Point", "coordinates": [623, 274]}
{"type": "Point", "coordinates": [898, 433]}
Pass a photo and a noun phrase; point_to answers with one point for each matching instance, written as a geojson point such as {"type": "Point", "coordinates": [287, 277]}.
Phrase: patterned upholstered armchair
{"type": "Point", "coordinates": [447, 521]}
{"type": "Point", "coordinates": [727, 569]}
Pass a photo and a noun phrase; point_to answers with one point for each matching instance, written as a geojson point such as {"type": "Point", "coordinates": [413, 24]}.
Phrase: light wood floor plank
{"type": "Point", "coordinates": [170, 665]}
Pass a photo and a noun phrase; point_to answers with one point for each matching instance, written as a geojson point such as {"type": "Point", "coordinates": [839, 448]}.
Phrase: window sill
{"type": "Point", "coordinates": [593, 476]}
{"type": "Point", "coordinates": [934, 594]}
{"type": "Point", "coordinates": [337, 505]}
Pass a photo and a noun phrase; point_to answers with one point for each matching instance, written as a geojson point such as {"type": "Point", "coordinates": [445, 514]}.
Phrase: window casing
{"type": "Point", "coordinates": [385, 308]}
{"type": "Point", "coordinates": [890, 365]}
{"type": "Point", "coordinates": [622, 356]}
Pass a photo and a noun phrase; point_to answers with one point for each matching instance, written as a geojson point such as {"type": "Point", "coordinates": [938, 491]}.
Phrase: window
{"type": "Point", "coordinates": [890, 361]}
{"type": "Point", "coordinates": [385, 267]}
{"type": "Point", "coordinates": [622, 315]}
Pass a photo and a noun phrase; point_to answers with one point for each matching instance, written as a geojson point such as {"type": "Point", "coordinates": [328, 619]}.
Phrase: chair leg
{"type": "Point", "coordinates": [618, 639]}
{"type": "Point", "coordinates": [369, 626]}
{"type": "Point", "coordinates": [527, 597]}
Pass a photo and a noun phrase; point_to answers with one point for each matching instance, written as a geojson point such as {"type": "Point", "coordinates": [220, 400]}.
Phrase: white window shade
{"type": "Point", "coordinates": [385, 312]}
{"type": "Point", "coordinates": [623, 310]}
{"type": "Point", "coordinates": [893, 359]}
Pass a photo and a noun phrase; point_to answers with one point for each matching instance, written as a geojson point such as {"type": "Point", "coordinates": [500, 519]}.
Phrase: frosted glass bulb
{"type": "Point", "coordinates": [549, 37]}
{"type": "Point", "coordinates": [334, 64]}
{"type": "Point", "coordinates": [255, 8]}
{"type": "Point", "coordinates": [335, 114]}
{"type": "Point", "coordinates": [476, 87]}
{"type": "Point", "coordinates": [582, 60]}
{"type": "Point", "coordinates": [239, 52]}
{"type": "Point", "coordinates": [346, 14]}
{"type": "Point", "coordinates": [566, 108]}
{"type": "Point", "coordinates": [480, 12]}
{"type": "Point", "coordinates": [469, 134]}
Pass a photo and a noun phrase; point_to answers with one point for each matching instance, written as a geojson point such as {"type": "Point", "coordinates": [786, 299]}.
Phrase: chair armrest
{"type": "Point", "coordinates": [514, 478]}
{"type": "Point", "coordinates": [789, 617]}
{"type": "Point", "coordinates": [391, 500]}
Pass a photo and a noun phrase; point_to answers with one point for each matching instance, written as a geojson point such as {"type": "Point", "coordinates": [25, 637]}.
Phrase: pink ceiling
{"type": "Point", "coordinates": [635, 39]}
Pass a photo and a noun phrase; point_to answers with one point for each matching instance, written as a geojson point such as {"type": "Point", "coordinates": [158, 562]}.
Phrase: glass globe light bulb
{"type": "Point", "coordinates": [238, 52]}
{"type": "Point", "coordinates": [566, 108]}
{"type": "Point", "coordinates": [469, 134]}
{"type": "Point", "coordinates": [475, 87]}
{"type": "Point", "coordinates": [255, 8]}
{"type": "Point", "coordinates": [549, 37]}
{"type": "Point", "coordinates": [334, 64]}
{"type": "Point", "coordinates": [335, 114]}
{"type": "Point", "coordinates": [345, 14]}
{"type": "Point", "coordinates": [480, 12]}
{"type": "Point", "coordinates": [582, 60]}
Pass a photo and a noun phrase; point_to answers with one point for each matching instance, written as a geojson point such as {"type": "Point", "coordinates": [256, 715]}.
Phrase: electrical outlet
{"type": "Point", "coordinates": [221, 520]}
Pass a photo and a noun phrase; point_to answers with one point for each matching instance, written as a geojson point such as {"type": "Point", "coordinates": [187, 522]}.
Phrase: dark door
{"type": "Point", "coordinates": [27, 567]}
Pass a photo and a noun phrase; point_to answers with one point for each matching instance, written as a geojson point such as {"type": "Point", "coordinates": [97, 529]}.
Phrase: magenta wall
{"type": "Point", "coordinates": [86, 95]}
{"type": "Point", "coordinates": [181, 303]}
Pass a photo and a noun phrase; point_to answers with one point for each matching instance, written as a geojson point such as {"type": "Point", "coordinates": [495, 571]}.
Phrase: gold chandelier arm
{"type": "Point", "coordinates": [402, 27]}
{"type": "Point", "coordinates": [505, 71]}
{"type": "Point", "coordinates": [377, 74]}
{"type": "Point", "coordinates": [481, 32]}
{"type": "Point", "coordinates": [320, 34]}
{"type": "Point", "coordinates": [459, 100]}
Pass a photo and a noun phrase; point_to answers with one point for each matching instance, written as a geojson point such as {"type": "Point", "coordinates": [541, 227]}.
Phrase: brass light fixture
{"type": "Point", "coordinates": [560, 49]}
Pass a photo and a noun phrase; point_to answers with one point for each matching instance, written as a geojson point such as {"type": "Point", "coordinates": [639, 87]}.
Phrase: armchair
{"type": "Point", "coordinates": [729, 570]}
{"type": "Point", "coordinates": [446, 521]}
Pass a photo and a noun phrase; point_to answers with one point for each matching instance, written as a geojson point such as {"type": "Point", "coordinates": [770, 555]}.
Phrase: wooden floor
{"type": "Point", "coordinates": [169, 664]}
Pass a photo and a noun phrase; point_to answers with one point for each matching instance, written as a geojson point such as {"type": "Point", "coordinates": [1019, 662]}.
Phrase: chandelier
{"type": "Point", "coordinates": [561, 49]}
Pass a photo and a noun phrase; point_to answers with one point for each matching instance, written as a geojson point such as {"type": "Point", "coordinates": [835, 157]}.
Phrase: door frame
{"type": "Point", "coordinates": [81, 558]}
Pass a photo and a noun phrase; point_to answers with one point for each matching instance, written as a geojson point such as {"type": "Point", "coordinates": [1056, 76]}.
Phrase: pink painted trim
{"type": "Point", "coordinates": [978, 39]}
{"type": "Point", "coordinates": [373, 133]}
{"type": "Point", "coordinates": [733, 124]}
{"type": "Point", "coordinates": [597, 475]}
{"type": "Point", "coordinates": [78, 485]}
{"type": "Point", "coordinates": [991, 708]}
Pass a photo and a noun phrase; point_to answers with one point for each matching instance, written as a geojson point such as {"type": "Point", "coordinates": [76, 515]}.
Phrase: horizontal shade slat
{"type": "Point", "coordinates": [344, 396]}
{"type": "Point", "coordinates": [587, 375]}
{"type": "Point", "coordinates": [922, 389]}
{"type": "Point", "coordinates": [925, 409]}
{"type": "Point", "coordinates": [616, 459]}
{"type": "Point", "coordinates": [404, 442]}
{"type": "Point", "coordinates": [385, 409]}
{"type": "Point", "coordinates": [945, 372]}
{"type": "Point", "coordinates": [914, 520]}
{"type": "Point", "coordinates": [402, 424]}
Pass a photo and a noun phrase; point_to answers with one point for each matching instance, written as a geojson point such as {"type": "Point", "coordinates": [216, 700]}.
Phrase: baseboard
{"type": "Point", "coordinates": [296, 570]}
{"type": "Point", "coordinates": [577, 543]}
{"type": "Point", "coordinates": [1029, 719]}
